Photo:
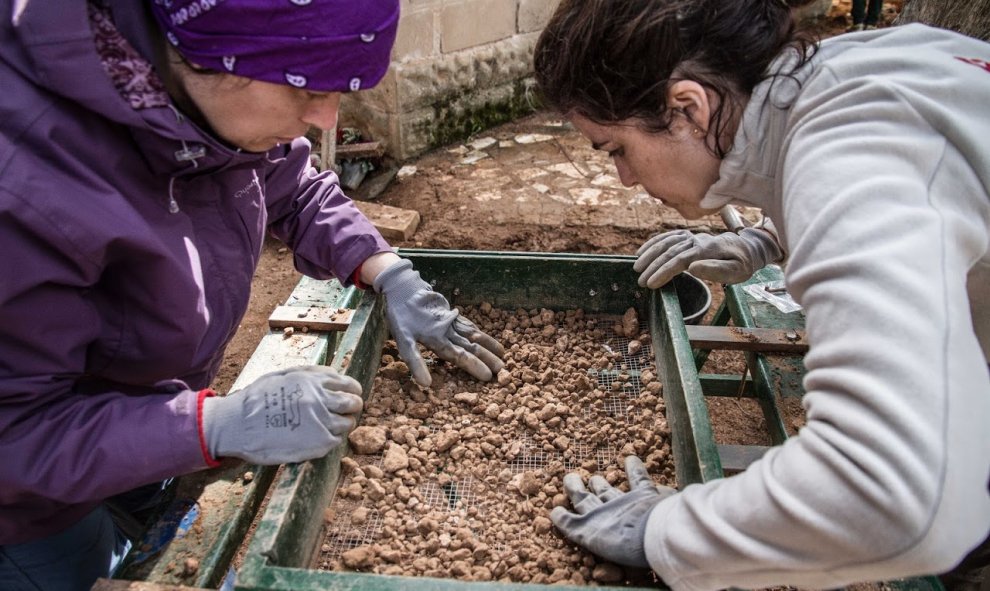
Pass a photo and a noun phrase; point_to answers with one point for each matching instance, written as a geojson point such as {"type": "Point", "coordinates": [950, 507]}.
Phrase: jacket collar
{"type": "Point", "coordinates": [748, 173]}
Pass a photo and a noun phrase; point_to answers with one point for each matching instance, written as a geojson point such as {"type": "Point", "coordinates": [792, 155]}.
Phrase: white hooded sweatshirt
{"type": "Point", "coordinates": [874, 162]}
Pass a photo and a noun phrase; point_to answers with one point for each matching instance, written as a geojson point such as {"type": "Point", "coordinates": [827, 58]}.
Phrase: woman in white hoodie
{"type": "Point", "coordinates": [870, 151]}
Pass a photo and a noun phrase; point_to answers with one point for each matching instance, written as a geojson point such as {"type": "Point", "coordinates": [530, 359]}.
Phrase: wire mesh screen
{"type": "Point", "coordinates": [452, 499]}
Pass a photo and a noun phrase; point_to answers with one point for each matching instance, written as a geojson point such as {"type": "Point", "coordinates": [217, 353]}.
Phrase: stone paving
{"type": "Point", "coordinates": [541, 171]}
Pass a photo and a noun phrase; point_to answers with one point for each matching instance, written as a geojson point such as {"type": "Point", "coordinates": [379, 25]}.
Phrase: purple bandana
{"type": "Point", "coordinates": [319, 45]}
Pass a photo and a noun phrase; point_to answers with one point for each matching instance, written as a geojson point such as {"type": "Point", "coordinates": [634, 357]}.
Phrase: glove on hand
{"type": "Point", "coordinates": [725, 258]}
{"type": "Point", "coordinates": [286, 416]}
{"type": "Point", "coordinates": [417, 313]}
{"type": "Point", "coordinates": [609, 522]}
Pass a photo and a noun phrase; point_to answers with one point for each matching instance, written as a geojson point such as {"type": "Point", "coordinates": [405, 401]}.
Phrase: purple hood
{"type": "Point", "coordinates": [130, 239]}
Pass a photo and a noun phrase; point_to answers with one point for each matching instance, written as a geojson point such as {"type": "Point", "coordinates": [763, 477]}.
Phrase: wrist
{"type": "Point", "coordinates": [372, 267]}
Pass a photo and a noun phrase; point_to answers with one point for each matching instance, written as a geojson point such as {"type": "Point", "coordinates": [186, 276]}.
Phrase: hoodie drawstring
{"type": "Point", "coordinates": [173, 205]}
{"type": "Point", "coordinates": [186, 154]}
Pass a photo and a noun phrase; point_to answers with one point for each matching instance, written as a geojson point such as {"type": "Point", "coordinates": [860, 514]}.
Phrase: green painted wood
{"type": "Point", "coordinates": [930, 583]}
{"type": "Point", "coordinates": [602, 283]}
{"type": "Point", "coordinates": [748, 312]}
{"type": "Point", "coordinates": [293, 520]}
{"type": "Point", "coordinates": [294, 579]}
{"type": "Point", "coordinates": [725, 385]}
{"type": "Point", "coordinates": [692, 441]}
{"type": "Point", "coordinates": [736, 458]}
{"type": "Point", "coordinates": [720, 318]}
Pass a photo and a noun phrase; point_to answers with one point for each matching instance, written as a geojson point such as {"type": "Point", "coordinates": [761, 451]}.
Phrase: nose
{"type": "Point", "coordinates": [322, 111]}
{"type": "Point", "coordinates": [625, 175]}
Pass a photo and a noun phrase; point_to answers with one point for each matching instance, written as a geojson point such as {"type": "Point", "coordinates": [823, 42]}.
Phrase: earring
{"type": "Point", "coordinates": [696, 131]}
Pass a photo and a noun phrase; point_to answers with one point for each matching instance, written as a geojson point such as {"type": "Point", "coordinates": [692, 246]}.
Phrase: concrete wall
{"type": "Point", "coordinates": [458, 67]}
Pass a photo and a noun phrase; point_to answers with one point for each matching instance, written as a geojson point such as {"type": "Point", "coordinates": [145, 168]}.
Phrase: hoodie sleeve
{"type": "Point", "coordinates": [308, 211]}
{"type": "Point", "coordinates": [63, 441]}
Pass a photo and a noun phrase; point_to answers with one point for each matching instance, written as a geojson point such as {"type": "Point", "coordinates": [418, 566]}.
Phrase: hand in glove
{"type": "Point", "coordinates": [286, 416]}
{"type": "Point", "coordinates": [725, 258]}
{"type": "Point", "coordinates": [417, 313]}
{"type": "Point", "coordinates": [607, 521]}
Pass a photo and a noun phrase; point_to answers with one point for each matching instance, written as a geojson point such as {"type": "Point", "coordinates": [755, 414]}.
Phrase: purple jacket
{"type": "Point", "coordinates": [129, 238]}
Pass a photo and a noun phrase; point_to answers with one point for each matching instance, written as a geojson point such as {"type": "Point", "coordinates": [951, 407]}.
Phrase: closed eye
{"type": "Point", "coordinates": [611, 153]}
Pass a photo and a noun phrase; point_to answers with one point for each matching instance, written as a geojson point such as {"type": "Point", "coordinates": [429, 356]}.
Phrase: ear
{"type": "Point", "coordinates": [690, 98]}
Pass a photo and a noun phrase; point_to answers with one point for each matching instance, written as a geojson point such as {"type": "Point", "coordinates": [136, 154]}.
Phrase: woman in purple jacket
{"type": "Point", "coordinates": [145, 149]}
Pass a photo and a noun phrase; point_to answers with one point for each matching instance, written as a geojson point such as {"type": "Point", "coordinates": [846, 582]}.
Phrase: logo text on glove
{"type": "Point", "coordinates": [282, 409]}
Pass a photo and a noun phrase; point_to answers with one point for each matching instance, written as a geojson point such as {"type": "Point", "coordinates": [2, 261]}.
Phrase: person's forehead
{"type": "Point", "coordinates": [601, 134]}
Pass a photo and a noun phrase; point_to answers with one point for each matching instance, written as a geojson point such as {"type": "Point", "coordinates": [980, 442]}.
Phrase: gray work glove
{"type": "Point", "coordinates": [285, 416]}
{"type": "Point", "coordinates": [725, 258]}
{"type": "Point", "coordinates": [607, 521]}
{"type": "Point", "coordinates": [416, 313]}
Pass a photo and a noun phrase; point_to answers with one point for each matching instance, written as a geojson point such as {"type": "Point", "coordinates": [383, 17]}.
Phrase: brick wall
{"type": "Point", "coordinates": [458, 67]}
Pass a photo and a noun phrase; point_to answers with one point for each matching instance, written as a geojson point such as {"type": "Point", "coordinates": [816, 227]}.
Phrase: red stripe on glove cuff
{"type": "Point", "coordinates": [356, 277]}
{"type": "Point", "coordinates": [203, 395]}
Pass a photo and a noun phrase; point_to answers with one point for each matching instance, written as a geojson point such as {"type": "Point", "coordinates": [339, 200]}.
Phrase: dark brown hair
{"type": "Point", "coordinates": [611, 60]}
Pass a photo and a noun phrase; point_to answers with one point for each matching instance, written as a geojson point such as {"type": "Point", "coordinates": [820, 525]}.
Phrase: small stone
{"type": "Point", "coordinates": [607, 573]}
{"type": "Point", "coordinates": [359, 516]}
{"type": "Point", "coordinates": [470, 398]}
{"type": "Point", "coordinates": [190, 567]}
{"type": "Point", "coordinates": [358, 558]}
{"type": "Point", "coordinates": [527, 483]}
{"type": "Point", "coordinates": [532, 138]}
{"type": "Point", "coordinates": [367, 440]}
{"type": "Point", "coordinates": [630, 322]}
{"type": "Point", "coordinates": [395, 459]}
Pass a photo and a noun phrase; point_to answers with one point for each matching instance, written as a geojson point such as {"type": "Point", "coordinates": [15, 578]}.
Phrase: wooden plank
{"type": "Point", "coordinates": [360, 150]}
{"type": "Point", "coordinates": [693, 445]}
{"type": "Point", "coordinates": [328, 149]}
{"type": "Point", "coordinates": [726, 385]}
{"type": "Point", "coordinates": [736, 338]}
{"type": "Point", "coordinates": [736, 458]}
{"type": "Point", "coordinates": [393, 222]}
{"type": "Point", "coordinates": [311, 319]}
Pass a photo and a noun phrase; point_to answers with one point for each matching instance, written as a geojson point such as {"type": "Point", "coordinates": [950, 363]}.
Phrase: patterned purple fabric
{"type": "Point", "coordinates": [132, 75]}
{"type": "Point", "coordinates": [318, 45]}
